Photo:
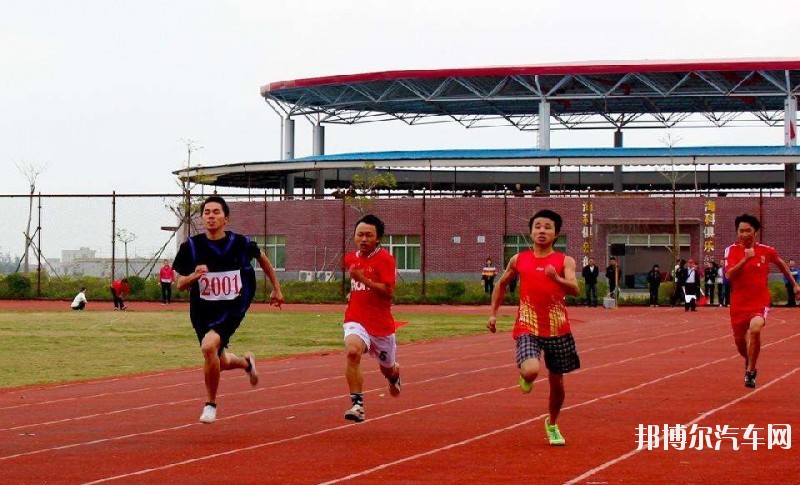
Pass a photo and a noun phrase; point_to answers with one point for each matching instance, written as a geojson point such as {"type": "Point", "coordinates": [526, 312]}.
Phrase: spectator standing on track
{"type": "Point", "coordinates": [791, 301]}
{"type": "Point", "coordinates": [119, 291]}
{"type": "Point", "coordinates": [590, 273]}
{"type": "Point", "coordinates": [747, 268]}
{"type": "Point", "coordinates": [679, 280]}
{"type": "Point", "coordinates": [691, 286]}
{"type": "Point", "coordinates": [216, 265]}
{"type": "Point", "coordinates": [79, 302]}
{"type": "Point", "coordinates": [166, 276]}
{"type": "Point", "coordinates": [710, 280]}
{"type": "Point", "coordinates": [542, 323]}
{"type": "Point", "coordinates": [369, 326]}
{"type": "Point", "coordinates": [612, 275]}
{"type": "Point", "coordinates": [653, 283]}
{"type": "Point", "coordinates": [488, 274]}
{"type": "Point", "coordinates": [723, 285]}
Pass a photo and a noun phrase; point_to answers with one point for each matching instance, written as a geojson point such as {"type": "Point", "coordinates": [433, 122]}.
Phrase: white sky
{"type": "Point", "coordinates": [102, 91]}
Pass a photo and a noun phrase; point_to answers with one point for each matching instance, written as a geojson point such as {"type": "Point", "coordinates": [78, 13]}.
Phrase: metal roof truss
{"type": "Point", "coordinates": [651, 99]}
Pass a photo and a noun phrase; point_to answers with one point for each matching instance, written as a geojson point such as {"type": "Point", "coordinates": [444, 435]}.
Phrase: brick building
{"type": "Point", "coordinates": [452, 237]}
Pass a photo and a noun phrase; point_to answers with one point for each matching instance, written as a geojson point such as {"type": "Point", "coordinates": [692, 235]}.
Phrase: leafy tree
{"type": "Point", "coordinates": [366, 185]}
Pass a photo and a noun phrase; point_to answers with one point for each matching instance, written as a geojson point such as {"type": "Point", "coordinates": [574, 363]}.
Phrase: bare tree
{"type": "Point", "coordinates": [672, 176]}
{"type": "Point", "coordinates": [186, 208]}
{"type": "Point", "coordinates": [31, 171]}
{"type": "Point", "coordinates": [125, 237]}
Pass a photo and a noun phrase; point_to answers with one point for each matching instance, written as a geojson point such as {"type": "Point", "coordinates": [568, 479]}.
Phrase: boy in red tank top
{"type": "Point", "coordinates": [747, 268]}
{"type": "Point", "coordinates": [542, 323]}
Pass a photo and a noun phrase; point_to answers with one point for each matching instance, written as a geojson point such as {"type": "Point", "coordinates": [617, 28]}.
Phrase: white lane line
{"type": "Point", "coordinates": [302, 383]}
{"type": "Point", "coordinates": [591, 401]}
{"type": "Point", "coordinates": [706, 414]}
{"type": "Point", "coordinates": [542, 416]}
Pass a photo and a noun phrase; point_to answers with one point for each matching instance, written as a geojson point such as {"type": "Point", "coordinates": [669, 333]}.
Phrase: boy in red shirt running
{"type": "Point", "coordinates": [368, 323]}
{"type": "Point", "coordinates": [542, 323]}
{"type": "Point", "coordinates": [747, 269]}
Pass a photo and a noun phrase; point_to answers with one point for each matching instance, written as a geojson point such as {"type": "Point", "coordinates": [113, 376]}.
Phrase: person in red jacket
{"type": "Point", "coordinates": [747, 265]}
{"type": "Point", "coordinates": [166, 276]}
{"type": "Point", "coordinates": [542, 323]}
{"type": "Point", "coordinates": [119, 291]}
{"type": "Point", "coordinates": [368, 323]}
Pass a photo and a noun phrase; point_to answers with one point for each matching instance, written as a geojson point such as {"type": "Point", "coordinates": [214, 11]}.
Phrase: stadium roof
{"type": "Point", "coordinates": [268, 174]}
{"type": "Point", "coordinates": [581, 95]}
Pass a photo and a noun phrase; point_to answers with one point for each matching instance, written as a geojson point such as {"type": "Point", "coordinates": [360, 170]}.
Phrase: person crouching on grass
{"type": "Point", "coordinates": [542, 323]}
{"type": "Point", "coordinates": [368, 323]}
{"type": "Point", "coordinates": [216, 266]}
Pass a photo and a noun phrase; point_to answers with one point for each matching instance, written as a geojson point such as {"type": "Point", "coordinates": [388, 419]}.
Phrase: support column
{"type": "Point", "coordinates": [544, 180]}
{"type": "Point", "coordinates": [790, 140]}
{"type": "Point", "coordinates": [288, 154]}
{"type": "Point", "coordinates": [544, 144]}
{"type": "Point", "coordinates": [618, 168]}
{"type": "Point", "coordinates": [319, 149]}
{"type": "Point", "coordinates": [790, 121]}
{"type": "Point", "coordinates": [544, 125]}
{"type": "Point", "coordinates": [790, 180]}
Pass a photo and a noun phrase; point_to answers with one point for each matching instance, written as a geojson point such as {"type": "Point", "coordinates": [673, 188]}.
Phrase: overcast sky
{"type": "Point", "coordinates": [102, 91]}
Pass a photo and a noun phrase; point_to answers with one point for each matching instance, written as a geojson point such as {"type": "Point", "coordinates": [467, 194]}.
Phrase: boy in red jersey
{"type": "Point", "coordinates": [368, 323]}
{"type": "Point", "coordinates": [542, 323]}
{"type": "Point", "coordinates": [747, 269]}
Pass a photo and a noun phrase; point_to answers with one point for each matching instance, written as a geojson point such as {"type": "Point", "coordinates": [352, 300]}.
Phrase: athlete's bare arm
{"type": "Point", "coordinates": [275, 297]}
{"type": "Point", "coordinates": [499, 292]}
{"type": "Point", "coordinates": [568, 281]}
{"type": "Point", "coordinates": [382, 289]}
{"type": "Point", "coordinates": [185, 281]}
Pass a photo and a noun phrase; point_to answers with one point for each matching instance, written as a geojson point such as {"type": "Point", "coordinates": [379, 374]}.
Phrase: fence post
{"type": "Point", "coordinates": [424, 248]}
{"type": "Point", "coordinates": [344, 245]}
{"type": "Point", "coordinates": [113, 234]}
{"type": "Point", "coordinates": [266, 293]}
{"type": "Point", "coordinates": [39, 251]}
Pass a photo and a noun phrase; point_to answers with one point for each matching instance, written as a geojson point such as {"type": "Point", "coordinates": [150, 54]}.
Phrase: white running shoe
{"type": "Point", "coordinates": [253, 374]}
{"type": "Point", "coordinates": [209, 414]}
{"type": "Point", "coordinates": [355, 413]}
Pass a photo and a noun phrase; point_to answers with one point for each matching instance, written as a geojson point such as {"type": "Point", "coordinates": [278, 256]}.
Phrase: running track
{"type": "Point", "coordinates": [460, 418]}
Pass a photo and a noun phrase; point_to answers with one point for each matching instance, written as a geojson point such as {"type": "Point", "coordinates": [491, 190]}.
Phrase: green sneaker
{"type": "Point", "coordinates": [553, 433]}
{"type": "Point", "coordinates": [525, 385]}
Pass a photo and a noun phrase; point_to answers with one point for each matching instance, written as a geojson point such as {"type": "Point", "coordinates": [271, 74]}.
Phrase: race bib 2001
{"type": "Point", "coordinates": [221, 285]}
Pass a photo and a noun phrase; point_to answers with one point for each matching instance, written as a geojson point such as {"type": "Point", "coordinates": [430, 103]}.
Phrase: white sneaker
{"type": "Point", "coordinates": [253, 374]}
{"type": "Point", "coordinates": [209, 414]}
{"type": "Point", "coordinates": [355, 413]}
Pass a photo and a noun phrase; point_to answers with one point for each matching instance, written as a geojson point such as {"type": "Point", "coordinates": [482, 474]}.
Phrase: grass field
{"type": "Point", "coordinates": [49, 347]}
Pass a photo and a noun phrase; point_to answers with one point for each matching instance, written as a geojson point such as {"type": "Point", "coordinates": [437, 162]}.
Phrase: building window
{"type": "Point", "coordinates": [517, 243]}
{"type": "Point", "coordinates": [275, 249]}
{"type": "Point", "coordinates": [649, 240]}
{"type": "Point", "coordinates": [406, 251]}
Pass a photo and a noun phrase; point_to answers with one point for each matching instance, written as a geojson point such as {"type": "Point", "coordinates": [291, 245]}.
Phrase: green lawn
{"type": "Point", "coordinates": [46, 347]}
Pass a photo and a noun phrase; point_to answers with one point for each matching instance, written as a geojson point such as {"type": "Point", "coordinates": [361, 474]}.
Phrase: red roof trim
{"type": "Point", "coordinates": [603, 67]}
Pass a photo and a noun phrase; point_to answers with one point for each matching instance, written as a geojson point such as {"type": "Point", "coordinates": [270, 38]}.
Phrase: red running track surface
{"type": "Point", "coordinates": [460, 418]}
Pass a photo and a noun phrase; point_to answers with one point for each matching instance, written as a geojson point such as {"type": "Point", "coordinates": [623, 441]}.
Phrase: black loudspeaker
{"type": "Point", "coordinates": [618, 250]}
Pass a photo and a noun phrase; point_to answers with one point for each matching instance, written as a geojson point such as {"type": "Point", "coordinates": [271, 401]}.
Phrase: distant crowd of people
{"type": "Point", "coordinates": [692, 286]}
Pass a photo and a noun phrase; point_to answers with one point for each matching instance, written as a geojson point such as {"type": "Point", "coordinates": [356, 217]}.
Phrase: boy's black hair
{"type": "Point", "coordinates": [747, 218]}
{"type": "Point", "coordinates": [372, 221]}
{"type": "Point", "coordinates": [547, 214]}
{"type": "Point", "coordinates": [219, 200]}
